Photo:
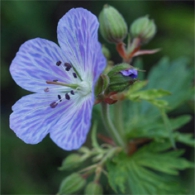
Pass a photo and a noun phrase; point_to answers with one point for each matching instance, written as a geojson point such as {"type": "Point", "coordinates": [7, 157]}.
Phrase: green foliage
{"type": "Point", "coordinates": [175, 77]}
{"type": "Point", "coordinates": [145, 117]}
{"type": "Point", "coordinates": [166, 78]}
{"type": "Point", "coordinates": [150, 95]}
{"type": "Point", "coordinates": [152, 169]}
{"type": "Point", "coordinates": [148, 170]}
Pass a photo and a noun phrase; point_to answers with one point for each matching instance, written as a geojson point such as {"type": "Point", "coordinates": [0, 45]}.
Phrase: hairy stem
{"type": "Point", "coordinates": [110, 127]}
{"type": "Point", "coordinates": [119, 117]}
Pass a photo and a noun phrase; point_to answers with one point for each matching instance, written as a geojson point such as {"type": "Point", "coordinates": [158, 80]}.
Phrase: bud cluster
{"type": "Point", "coordinates": [113, 26]}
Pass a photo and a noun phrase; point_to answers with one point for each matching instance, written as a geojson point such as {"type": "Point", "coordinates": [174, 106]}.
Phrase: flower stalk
{"type": "Point", "coordinates": [110, 127]}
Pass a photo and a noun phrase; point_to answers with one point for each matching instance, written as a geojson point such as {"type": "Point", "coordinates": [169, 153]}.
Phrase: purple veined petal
{"type": "Point", "coordinates": [99, 62]}
{"type": "Point", "coordinates": [28, 118]}
{"type": "Point", "coordinates": [78, 37]}
{"type": "Point", "coordinates": [130, 72]}
{"type": "Point", "coordinates": [33, 117]}
{"type": "Point", "coordinates": [71, 130]}
{"type": "Point", "coordinates": [35, 63]}
{"type": "Point", "coordinates": [68, 123]}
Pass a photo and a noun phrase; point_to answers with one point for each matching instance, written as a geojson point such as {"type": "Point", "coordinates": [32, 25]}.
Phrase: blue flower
{"type": "Point", "coordinates": [130, 72]}
{"type": "Point", "coordinates": [63, 79]}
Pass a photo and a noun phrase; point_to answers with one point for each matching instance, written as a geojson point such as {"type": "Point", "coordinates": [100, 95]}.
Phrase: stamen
{"type": "Point", "coordinates": [58, 63]}
{"type": "Point", "coordinates": [53, 104]}
{"type": "Point", "coordinates": [74, 74]}
{"type": "Point", "coordinates": [68, 66]}
{"type": "Point", "coordinates": [59, 97]}
{"type": "Point", "coordinates": [46, 89]}
{"type": "Point", "coordinates": [67, 96]}
{"type": "Point", "coordinates": [73, 86]}
{"type": "Point", "coordinates": [72, 92]}
{"type": "Point", "coordinates": [55, 80]}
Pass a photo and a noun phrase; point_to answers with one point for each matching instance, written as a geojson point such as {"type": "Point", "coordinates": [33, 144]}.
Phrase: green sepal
{"type": "Point", "coordinates": [72, 184]}
{"type": "Point", "coordinates": [102, 84]}
{"type": "Point", "coordinates": [118, 88]}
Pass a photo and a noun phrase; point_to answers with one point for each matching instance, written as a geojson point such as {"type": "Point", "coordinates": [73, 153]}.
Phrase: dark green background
{"type": "Point", "coordinates": [32, 169]}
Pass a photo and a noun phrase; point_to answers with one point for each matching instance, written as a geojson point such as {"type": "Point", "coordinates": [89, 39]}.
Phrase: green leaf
{"type": "Point", "coordinates": [154, 128]}
{"type": "Point", "coordinates": [159, 103]}
{"type": "Point", "coordinates": [150, 94]}
{"type": "Point", "coordinates": [148, 170]}
{"type": "Point", "coordinates": [136, 86]}
{"type": "Point", "coordinates": [116, 176]}
{"type": "Point", "coordinates": [185, 138]}
{"type": "Point", "coordinates": [175, 77]}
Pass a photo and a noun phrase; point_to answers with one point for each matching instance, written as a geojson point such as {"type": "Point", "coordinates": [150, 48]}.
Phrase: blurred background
{"type": "Point", "coordinates": [32, 169]}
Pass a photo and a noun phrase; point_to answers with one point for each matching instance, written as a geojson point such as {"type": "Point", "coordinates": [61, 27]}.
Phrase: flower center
{"type": "Point", "coordinates": [84, 88]}
{"type": "Point", "coordinates": [65, 91]}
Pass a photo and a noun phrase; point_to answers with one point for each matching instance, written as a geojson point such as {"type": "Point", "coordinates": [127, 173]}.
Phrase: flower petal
{"type": "Point", "coordinates": [35, 63]}
{"type": "Point", "coordinates": [130, 72]}
{"type": "Point", "coordinates": [71, 130]}
{"type": "Point", "coordinates": [69, 122]}
{"type": "Point", "coordinates": [78, 37]}
{"type": "Point", "coordinates": [28, 119]}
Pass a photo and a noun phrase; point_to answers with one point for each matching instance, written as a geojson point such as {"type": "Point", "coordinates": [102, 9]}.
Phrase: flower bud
{"type": "Point", "coordinates": [71, 161]}
{"type": "Point", "coordinates": [113, 27]}
{"type": "Point", "coordinates": [72, 184]}
{"type": "Point", "coordinates": [144, 28]}
{"type": "Point", "coordinates": [121, 76]}
{"type": "Point", "coordinates": [93, 188]}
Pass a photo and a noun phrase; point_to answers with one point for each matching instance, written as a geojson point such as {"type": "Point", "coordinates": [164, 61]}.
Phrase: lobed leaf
{"type": "Point", "coordinates": [148, 170]}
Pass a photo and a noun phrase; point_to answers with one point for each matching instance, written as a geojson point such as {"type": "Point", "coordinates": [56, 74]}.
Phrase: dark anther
{"type": "Point", "coordinates": [67, 96]}
{"type": "Point", "coordinates": [59, 97]}
{"type": "Point", "coordinates": [53, 104]}
{"type": "Point", "coordinates": [74, 74]}
{"type": "Point", "coordinates": [55, 80]}
{"type": "Point", "coordinates": [46, 89]}
{"type": "Point", "coordinates": [58, 63]}
{"type": "Point", "coordinates": [68, 66]}
{"type": "Point", "coordinates": [72, 92]}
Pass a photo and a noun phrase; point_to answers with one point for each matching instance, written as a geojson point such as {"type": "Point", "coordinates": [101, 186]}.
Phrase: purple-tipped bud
{"type": "Point", "coordinates": [130, 72]}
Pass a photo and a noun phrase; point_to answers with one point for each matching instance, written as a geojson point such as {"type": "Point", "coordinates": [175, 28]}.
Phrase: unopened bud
{"type": "Point", "coordinates": [72, 184]}
{"type": "Point", "coordinates": [121, 76]}
{"type": "Point", "coordinates": [113, 27]}
{"type": "Point", "coordinates": [93, 188]}
{"type": "Point", "coordinates": [144, 28]}
{"type": "Point", "coordinates": [71, 161]}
